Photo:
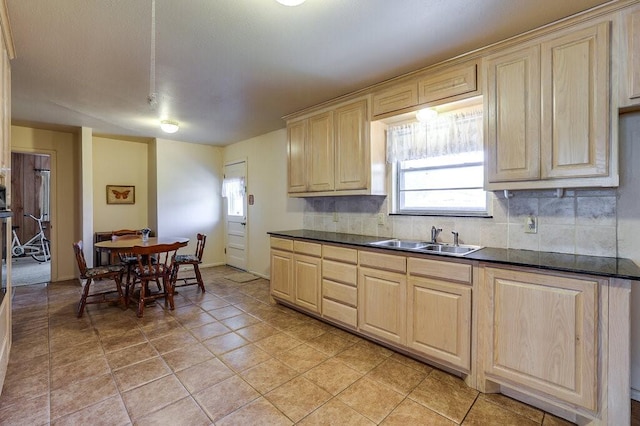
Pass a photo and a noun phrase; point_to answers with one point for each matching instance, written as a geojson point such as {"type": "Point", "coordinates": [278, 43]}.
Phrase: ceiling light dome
{"type": "Point", "coordinates": [291, 2]}
{"type": "Point", "coordinates": [169, 126]}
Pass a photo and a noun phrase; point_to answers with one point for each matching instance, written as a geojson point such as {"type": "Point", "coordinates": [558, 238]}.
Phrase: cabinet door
{"type": "Point", "coordinates": [352, 152]}
{"type": "Point", "coordinates": [575, 104]}
{"type": "Point", "coordinates": [297, 137]}
{"type": "Point", "coordinates": [395, 98]}
{"type": "Point", "coordinates": [633, 52]}
{"type": "Point", "coordinates": [307, 276]}
{"type": "Point", "coordinates": [381, 304]}
{"type": "Point", "coordinates": [282, 274]}
{"type": "Point", "coordinates": [512, 114]}
{"type": "Point", "coordinates": [542, 333]}
{"type": "Point", "coordinates": [319, 153]}
{"type": "Point", "coordinates": [439, 320]}
{"type": "Point", "coordinates": [447, 83]}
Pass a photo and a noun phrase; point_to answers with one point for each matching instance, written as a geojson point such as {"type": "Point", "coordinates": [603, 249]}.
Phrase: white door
{"type": "Point", "coordinates": [235, 207]}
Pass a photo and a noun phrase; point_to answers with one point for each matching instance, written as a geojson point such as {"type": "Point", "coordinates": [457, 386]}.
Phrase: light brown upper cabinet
{"type": "Point", "coordinates": [448, 82]}
{"type": "Point", "coordinates": [336, 151]}
{"type": "Point", "coordinates": [548, 113]}
{"type": "Point", "coordinates": [630, 59]}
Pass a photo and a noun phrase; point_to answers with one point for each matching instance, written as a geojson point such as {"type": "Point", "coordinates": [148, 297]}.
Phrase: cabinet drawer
{"type": "Point", "coordinates": [282, 244]}
{"type": "Point", "coordinates": [340, 292]}
{"type": "Point", "coordinates": [341, 272]}
{"type": "Point", "coordinates": [341, 254]}
{"type": "Point", "coordinates": [387, 262]}
{"type": "Point", "coordinates": [438, 269]}
{"type": "Point", "coordinates": [395, 98]}
{"type": "Point", "coordinates": [312, 249]}
{"type": "Point", "coordinates": [449, 82]}
{"type": "Point", "coordinates": [339, 312]}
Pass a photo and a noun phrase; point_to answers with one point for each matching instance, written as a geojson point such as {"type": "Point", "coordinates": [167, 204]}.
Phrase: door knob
{"type": "Point", "coordinates": [243, 223]}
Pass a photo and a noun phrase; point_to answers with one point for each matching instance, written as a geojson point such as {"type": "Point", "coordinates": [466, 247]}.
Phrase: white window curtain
{"type": "Point", "coordinates": [445, 134]}
{"type": "Point", "coordinates": [232, 187]}
{"type": "Point", "coordinates": [44, 190]}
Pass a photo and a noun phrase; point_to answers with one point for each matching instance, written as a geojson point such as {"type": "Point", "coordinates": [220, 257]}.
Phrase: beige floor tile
{"type": "Point", "coordinates": [131, 355]}
{"type": "Point", "coordinates": [153, 396]}
{"type": "Point", "coordinates": [361, 358]}
{"type": "Point", "coordinates": [371, 399]}
{"type": "Point", "coordinates": [30, 411]}
{"type": "Point", "coordinates": [298, 397]}
{"type": "Point", "coordinates": [110, 412]}
{"type": "Point", "coordinates": [141, 373]}
{"type": "Point", "coordinates": [75, 353]}
{"type": "Point", "coordinates": [516, 406]}
{"type": "Point", "coordinates": [129, 338]}
{"type": "Point", "coordinates": [259, 412]}
{"type": "Point", "coordinates": [227, 311]}
{"type": "Point", "coordinates": [204, 375]}
{"type": "Point", "coordinates": [208, 331]}
{"type": "Point", "coordinates": [329, 343]}
{"type": "Point", "coordinates": [446, 398]}
{"type": "Point", "coordinates": [411, 413]}
{"type": "Point", "coordinates": [302, 358]}
{"type": "Point", "coordinates": [397, 376]}
{"type": "Point", "coordinates": [305, 331]}
{"type": "Point", "coordinates": [77, 396]}
{"type": "Point", "coordinates": [24, 388]}
{"type": "Point", "coordinates": [182, 412]}
{"type": "Point", "coordinates": [78, 371]}
{"type": "Point", "coordinates": [244, 357]}
{"type": "Point", "coordinates": [213, 303]}
{"type": "Point", "coordinates": [240, 321]}
{"type": "Point", "coordinates": [225, 343]}
{"type": "Point", "coordinates": [410, 362]}
{"type": "Point", "coordinates": [197, 320]}
{"type": "Point", "coordinates": [187, 356]}
{"type": "Point", "coordinates": [173, 341]}
{"type": "Point", "coordinates": [257, 332]}
{"type": "Point", "coordinates": [19, 368]}
{"type": "Point", "coordinates": [333, 376]}
{"type": "Point", "coordinates": [485, 413]}
{"type": "Point", "coordinates": [277, 343]}
{"type": "Point", "coordinates": [268, 375]}
{"type": "Point", "coordinates": [336, 413]}
{"type": "Point", "coordinates": [225, 397]}
{"type": "Point", "coordinates": [155, 328]}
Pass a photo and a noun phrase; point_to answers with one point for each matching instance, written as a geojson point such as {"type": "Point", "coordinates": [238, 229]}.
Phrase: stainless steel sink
{"type": "Point", "coordinates": [401, 244]}
{"type": "Point", "coordinates": [427, 247]}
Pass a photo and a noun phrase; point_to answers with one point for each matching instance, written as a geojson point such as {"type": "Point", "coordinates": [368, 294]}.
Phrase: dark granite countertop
{"type": "Point", "coordinates": [592, 265]}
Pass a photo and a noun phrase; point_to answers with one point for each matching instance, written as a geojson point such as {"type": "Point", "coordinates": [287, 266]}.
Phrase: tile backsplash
{"type": "Point", "coordinates": [579, 222]}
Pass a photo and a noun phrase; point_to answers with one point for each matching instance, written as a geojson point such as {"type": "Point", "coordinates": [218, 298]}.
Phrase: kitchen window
{"type": "Point", "coordinates": [439, 164]}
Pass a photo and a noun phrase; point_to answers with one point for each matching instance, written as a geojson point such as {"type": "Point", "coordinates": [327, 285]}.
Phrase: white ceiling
{"type": "Point", "coordinates": [228, 70]}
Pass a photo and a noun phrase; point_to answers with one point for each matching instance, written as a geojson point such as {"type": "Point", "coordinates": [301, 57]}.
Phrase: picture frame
{"type": "Point", "coordinates": [121, 194]}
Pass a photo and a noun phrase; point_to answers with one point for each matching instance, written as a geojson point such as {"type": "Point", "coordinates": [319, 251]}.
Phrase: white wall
{"type": "Point", "coordinates": [273, 210]}
{"type": "Point", "coordinates": [188, 180]}
{"type": "Point", "coordinates": [119, 162]}
{"type": "Point", "coordinates": [629, 226]}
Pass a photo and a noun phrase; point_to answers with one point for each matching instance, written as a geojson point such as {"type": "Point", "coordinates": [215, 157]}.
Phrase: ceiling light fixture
{"type": "Point", "coordinates": [169, 126]}
{"type": "Point", "coordinates": [291, 2]}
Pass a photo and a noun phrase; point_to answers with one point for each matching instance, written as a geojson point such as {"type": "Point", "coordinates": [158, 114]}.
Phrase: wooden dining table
{"type": "Point", "coordinates": [125, 244]}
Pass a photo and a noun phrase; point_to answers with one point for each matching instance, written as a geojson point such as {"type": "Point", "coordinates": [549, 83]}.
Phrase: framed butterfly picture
{"type": "Point", "coordinates": [121, 194]}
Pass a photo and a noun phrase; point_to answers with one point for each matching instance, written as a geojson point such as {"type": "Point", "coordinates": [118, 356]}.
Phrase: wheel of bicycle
{"type": "Point", "coordinates": [43, 257]}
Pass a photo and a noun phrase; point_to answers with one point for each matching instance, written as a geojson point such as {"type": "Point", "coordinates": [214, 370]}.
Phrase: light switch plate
{"type": "Point", "coordinates": [531, 224]}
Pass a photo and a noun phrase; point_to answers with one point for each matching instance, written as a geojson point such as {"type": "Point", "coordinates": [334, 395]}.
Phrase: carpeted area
{"type": "Point", "coordinates": [26, 271]}
{"type": "Point", "coordinates": [241, 277]}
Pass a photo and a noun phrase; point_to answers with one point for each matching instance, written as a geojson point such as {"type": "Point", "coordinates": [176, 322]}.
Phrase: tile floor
{"type": "Point", "coordinates": [227, 357]}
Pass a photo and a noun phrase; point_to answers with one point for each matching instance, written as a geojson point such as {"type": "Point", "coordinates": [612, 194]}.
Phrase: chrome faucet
{"type": "Point", "coordinates": [455, 238]}
{"type": "Point", "coordinates": [434, 233]}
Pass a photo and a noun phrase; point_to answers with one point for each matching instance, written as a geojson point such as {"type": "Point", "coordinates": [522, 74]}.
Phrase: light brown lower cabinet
{"type": "Point", "coordinates": [541, 334]}
{"type": "Point", "coordinates": [381, 304]}
{"type": "Point", "coordinates": [439, 320]}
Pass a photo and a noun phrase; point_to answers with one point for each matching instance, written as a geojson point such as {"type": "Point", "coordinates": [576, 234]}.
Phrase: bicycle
{"type": "Point", "coordinates": [37, 247]}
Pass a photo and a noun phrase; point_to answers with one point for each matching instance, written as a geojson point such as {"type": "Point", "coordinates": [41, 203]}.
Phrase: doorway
{"type": "Point", "coordinates": [31, 207]}
{"type": "Point", "coordinates": [234, 193]}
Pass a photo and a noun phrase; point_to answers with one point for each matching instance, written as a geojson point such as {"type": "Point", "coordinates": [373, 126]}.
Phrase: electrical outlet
{"type": "Point", "coordinates": [335, 216]}
{"type": "Point", "coordinates": [531, 224]}
{"type": "Point", "coordinates": [381, 219]}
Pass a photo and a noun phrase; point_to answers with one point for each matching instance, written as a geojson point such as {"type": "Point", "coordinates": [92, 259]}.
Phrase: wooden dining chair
{"type": "Point", "coordinates": [190, 259]}
{"type": "Point", "coordinates": [153, 263]}
{"type": "Point", "coordinates": [107, 272]}
{"type": "Point", "coordinates": [128, 259]}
